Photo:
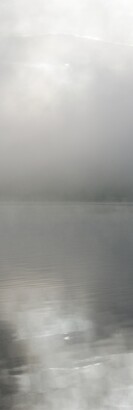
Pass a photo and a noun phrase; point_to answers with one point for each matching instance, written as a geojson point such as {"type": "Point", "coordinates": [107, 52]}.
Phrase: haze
{"type": "Point", "coordinates": [66, 86]}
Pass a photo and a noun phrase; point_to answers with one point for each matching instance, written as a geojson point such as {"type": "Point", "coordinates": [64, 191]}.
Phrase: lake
{"type": "Point", "coordinates": [66, 276]}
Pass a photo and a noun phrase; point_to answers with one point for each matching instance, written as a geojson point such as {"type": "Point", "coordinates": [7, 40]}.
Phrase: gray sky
{"type": "Point", "coordinates": [66, 86]}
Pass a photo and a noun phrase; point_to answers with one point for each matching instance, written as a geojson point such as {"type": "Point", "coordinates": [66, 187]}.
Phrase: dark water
{"type": "Point", "coordinates": [84, 250]}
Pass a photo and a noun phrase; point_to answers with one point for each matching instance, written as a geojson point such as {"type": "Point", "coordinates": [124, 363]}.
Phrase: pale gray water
{"type": "Point", "coordinates": [66, 285]}
{"type": "Point", "coordinates": [88, 249]}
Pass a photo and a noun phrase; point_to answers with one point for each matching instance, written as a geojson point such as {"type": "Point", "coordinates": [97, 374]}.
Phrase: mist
{"type": "Point", "coordinates": [66, 86]}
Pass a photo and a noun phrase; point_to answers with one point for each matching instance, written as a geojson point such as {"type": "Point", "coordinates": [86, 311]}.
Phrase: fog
{"type": "Point", "coordinates": [66, 86]}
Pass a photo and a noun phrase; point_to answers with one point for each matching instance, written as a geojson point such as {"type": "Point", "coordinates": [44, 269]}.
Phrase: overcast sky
{"type": "Point", "coordinates": [66, 86]}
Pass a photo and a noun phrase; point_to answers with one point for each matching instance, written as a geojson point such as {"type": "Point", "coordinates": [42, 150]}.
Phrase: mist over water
{"type": "Point", "coordinates": [66, 101]}
{"type": "Point", "coordinates": [66, 124]}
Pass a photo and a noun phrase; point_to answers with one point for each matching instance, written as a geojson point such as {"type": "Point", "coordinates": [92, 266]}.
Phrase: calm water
{"type": "Point", "coordinates": [66, 285]}
{"type": "Point", "coordinates": [84, 251]}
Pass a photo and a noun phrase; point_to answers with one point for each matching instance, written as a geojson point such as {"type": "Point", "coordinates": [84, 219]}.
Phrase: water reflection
{"type": "Point", "coordinates": [66, 289]}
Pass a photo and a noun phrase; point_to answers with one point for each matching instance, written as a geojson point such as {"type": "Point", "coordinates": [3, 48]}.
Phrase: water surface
{"type": "Point", "coordinates": [66, 286]}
